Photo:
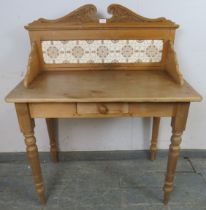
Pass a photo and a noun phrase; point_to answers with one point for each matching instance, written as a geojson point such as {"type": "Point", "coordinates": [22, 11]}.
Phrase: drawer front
{"type": "Point", "coordinates": [102, 108]}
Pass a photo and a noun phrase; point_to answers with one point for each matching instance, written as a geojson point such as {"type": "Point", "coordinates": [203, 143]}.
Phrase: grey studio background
{"type": "Point", "coordinates": [102, 134]}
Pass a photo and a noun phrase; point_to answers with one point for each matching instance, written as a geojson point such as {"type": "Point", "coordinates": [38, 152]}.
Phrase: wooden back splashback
{"type": "Point", "coordinates": [52, 40]}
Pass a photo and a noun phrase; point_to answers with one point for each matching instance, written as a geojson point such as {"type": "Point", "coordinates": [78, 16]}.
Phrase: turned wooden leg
{"type": "Point", "coordinates": [27, 127]}
{"type": "Point", "coordinates": [155, 132]}
{"type": "Point", "coordinates": [178, 126]}
{"type": "Point", "coordinates": [53, 143]}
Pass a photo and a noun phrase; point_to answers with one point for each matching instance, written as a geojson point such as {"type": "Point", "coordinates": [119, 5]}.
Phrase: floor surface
{"type": "Point", "coordinates": [134, 184]}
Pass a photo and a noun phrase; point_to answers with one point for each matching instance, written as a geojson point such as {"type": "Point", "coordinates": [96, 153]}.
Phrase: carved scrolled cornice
{"type": "Point", "coordinates": [86, 16]}
{"type": "Point", "coordinates": [83, 14]}
{"type": "Point", "coordinates": [121, 14]}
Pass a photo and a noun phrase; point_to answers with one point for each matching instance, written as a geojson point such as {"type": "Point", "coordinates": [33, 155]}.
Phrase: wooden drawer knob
{"type": "Point", "coordinates": [102, 109]}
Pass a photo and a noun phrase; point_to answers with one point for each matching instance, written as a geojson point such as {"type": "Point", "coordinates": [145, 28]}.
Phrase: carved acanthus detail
{"type": "Point", "coordinates": [84, 14]}
{"type": "Point", "coordinates": [122, 14]}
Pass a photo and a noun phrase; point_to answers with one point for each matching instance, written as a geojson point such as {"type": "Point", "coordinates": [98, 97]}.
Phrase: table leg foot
{"type": "Point", "coordinates": [42, 197]}
{"type": "Point", "coordinates": [153, 155]}
{"type": "Point", "coordinates": [166, 198]}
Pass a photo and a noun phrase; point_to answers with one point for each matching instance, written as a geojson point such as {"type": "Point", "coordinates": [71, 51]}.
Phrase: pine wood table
{"type": "Point", "coordinates": [84, 81]}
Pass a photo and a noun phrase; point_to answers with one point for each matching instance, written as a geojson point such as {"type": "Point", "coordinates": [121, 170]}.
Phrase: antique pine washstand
{"type": "Point", "coordinates": [80, 67]}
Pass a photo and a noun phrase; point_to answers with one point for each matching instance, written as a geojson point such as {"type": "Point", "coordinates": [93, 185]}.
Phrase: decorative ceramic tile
{"type": "Point", "coordinates": [102, 51]}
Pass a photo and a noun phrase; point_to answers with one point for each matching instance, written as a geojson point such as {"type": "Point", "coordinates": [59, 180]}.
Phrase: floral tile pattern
{"type": "Point", "coordinates": [102, 51]}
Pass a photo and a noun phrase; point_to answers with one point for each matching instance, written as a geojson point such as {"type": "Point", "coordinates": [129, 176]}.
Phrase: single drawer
{"type": "Point", "coordinates": [102, 108]}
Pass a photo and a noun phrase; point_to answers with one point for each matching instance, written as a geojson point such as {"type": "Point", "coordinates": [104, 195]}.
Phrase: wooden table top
{"type": "Point", "coordinates": [103, 86]}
